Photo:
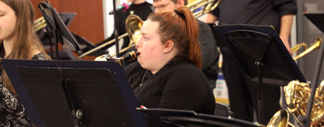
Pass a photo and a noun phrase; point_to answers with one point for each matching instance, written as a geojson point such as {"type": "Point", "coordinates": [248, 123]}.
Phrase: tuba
{"type": "Point", "coordinates": [134, 23]}
{"type": "Point", "coordinates": [280, 119]}
{"type": "Point", "coordinates": [297, 95]}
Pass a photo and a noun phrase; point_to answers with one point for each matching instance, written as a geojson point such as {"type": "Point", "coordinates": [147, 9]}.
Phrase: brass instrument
{"type": "Point", "coordinates": [39, 23]}
{"type": "Point", "coordinates": [297, 47]}
{"type": "Point", "coordinates": [133, 26]}
{"type": "Point", "coordinates": [208, 5]}
{"type": "Point", "coordinates": [316, 45]}
{"type": "Point", "coordinates": [280, 119]}
{"type": "Point", "coordinates": [297, 95]}
{"type": "Point", "coordinates": [128, 56]}
{"type": "Point", "coordinates": [134, 23]}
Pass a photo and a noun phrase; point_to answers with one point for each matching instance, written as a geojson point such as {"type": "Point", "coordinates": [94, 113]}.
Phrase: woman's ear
{"type": "Point", "coordinates": [168, 46]}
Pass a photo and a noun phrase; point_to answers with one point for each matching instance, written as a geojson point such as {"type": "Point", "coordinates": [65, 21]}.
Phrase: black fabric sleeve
{"type": "Point", "coordinates": [285, 7]}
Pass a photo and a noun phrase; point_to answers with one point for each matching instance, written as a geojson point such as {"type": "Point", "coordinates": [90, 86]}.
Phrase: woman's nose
{"type": "Point", "coordinates": [139, 42]}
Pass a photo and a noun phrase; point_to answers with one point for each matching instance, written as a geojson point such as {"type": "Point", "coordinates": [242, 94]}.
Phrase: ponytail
{"type": "Point", "coordinates": [192, 29]}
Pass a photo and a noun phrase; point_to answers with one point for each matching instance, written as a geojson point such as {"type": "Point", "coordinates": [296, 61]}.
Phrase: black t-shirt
{"type": "Point", "coordinates": [257, 12]}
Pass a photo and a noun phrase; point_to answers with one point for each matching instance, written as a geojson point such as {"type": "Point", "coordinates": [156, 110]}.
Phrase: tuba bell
{"type": "Point", "coordinates": [280, 119]}
{"type": "Point", "coordinates": [297, 95]}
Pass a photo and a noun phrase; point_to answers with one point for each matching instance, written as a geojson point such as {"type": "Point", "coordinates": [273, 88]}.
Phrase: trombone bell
{"type": "Point", "coordinates": [133, 27]}
{"type": "Point", "coordinates": [316, 45]}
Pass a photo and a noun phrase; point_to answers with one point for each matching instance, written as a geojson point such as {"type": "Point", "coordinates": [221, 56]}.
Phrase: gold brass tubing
{"type": "Point", "coordinates": [125, 49]}
{"type": "Point", "coordinates": [39, 23]}
{"type": "Point", "coordinates": [99, 47]}
{"type": "Point", "coordinates": [316, 45]}
{"type": "Point", "coordinates": [207, 8]}
{"type": "Point", "coordinates": [297, 47]}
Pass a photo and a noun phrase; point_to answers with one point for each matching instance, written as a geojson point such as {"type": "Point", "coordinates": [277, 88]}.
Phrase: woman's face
{"type": "Point", "coordinates": [7, 21]}
{"type": "Point", "coordinates": [150, 47]}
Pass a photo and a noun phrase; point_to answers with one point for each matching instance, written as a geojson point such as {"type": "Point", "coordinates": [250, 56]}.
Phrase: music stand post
{"type": "Point", "coordinates": [56, 90]}
{"type": "Point", "coordinates": [261, 55]}
{"type": "Point", "coordinates": [317, 20]}
{"type": "Point", "coordinates": [116, 30]}
{"type": "Point", "coordinates": [73, 99]}
{"type": "Point", "coordinates": [259, 65]}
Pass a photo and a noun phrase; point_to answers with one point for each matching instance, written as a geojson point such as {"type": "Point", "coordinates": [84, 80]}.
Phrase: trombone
{"type": "Point", "coordinates": [134, 23]}
{"type": "Point", "coordinates": [133, 26]}
{"type": "Point", "coordinates": [316, 45]}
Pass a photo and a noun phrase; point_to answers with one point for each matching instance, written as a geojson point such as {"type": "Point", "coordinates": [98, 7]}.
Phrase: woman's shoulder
{"type": "Point", "coordinates": [39, 56]}
{"type": "Point", "coordinates": [183, 69]}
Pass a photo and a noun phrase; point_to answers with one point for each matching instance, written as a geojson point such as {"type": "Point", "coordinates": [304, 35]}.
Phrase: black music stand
{"type": "Point", "coordinates": [59, 31]}
{"type": "Point", "coordinates": [42, 33]}
{"type": "Point", "coordinates": [317, 19]}
{"type": "Point", "coordinates": [188, 118]}
{"type": "Point", "coordinates": [55, 92]}
{"type": "Point", "coordinates": [46, 39]}
{"type": "Point", "coordinates": [261, 55]}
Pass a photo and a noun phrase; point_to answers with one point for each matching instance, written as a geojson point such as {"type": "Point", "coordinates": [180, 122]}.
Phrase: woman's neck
{"type": "Point", "coordinates": [7, 44]}
{"type": "Point", "coordinates": [165, 59]}
{"type": "Point", "coordinates": [138, 2]}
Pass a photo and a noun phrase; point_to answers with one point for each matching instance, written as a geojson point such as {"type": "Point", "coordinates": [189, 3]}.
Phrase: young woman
{"type": "Point", "coordinates": [17, 41]}
{"type": "Point", "coordinates": [167, 74]}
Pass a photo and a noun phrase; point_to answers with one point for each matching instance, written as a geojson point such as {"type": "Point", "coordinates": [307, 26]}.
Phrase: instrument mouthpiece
{"type": "Point", "coordinates": [129, 56]}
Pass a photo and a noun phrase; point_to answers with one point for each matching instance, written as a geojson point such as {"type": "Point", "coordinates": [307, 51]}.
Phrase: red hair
{"type": "Point", "coordinates": [181, 28]}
